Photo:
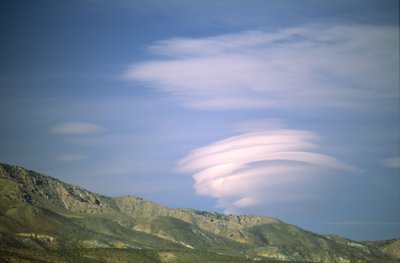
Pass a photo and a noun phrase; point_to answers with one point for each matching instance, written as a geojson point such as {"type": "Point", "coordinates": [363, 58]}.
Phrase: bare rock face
{"type": "Point", "coordinates": [31, 187]}
{"type": "Point", "coordinates": [38, 211]}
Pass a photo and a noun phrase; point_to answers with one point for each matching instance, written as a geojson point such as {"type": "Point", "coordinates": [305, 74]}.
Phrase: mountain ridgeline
{"type": "Point", "coordinates": [45, 220]}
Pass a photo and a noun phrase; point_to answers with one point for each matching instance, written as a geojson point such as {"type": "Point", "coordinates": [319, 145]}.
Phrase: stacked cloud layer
{"type": "Point", "coordinates": [261, 168]}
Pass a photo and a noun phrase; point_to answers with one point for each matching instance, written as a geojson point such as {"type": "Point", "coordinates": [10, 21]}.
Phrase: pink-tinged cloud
{"type": "Point", "coordinates": [350, 66]}
{"type": "Point", "coordinates": [261, 168]}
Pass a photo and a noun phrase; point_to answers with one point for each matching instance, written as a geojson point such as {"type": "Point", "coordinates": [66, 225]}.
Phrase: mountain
{"type": "Point", "coordinates": [45, 220]}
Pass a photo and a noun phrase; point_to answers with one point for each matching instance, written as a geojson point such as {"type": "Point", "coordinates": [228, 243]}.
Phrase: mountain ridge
{"type": "Point", "coordinates": [39, 211]}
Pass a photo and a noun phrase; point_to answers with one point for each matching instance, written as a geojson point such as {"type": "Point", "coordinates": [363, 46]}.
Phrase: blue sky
{"type": "Point", "coordinates": [287, 108]}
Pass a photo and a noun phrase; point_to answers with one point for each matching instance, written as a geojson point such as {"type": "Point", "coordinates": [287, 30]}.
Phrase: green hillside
{"type": "Point", "coordinates": [45, 220]}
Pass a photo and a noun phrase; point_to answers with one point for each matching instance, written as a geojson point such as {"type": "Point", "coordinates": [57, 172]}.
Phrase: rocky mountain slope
{"type": "Point", "coordinates": [39, 212]}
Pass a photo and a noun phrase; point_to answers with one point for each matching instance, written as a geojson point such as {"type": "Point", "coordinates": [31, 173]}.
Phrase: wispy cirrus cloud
{"type": "Point", "coordinates": [71, 157]}
{"type": "Point", "coordinates": [76, 128]}
{"type": "Point", "coordinates": [362, 223]}
{"type": "Point", "coordinates": [261, 168]}
{"type": "Point", "coordinates": [393, 162]}
{"type": "Point", "coordinates": [309, 67]}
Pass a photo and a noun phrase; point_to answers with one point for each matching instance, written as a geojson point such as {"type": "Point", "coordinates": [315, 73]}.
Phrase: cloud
{"type": "Point", "coordinates": [66, 158]}
{"type": "Point", "coordinates": [309, 67]}
{"type": "Point", "coordinates": [362, 223]}
{"type": "Point", "coordinates": [76, 128]}
{"type": "Point", "coordinates": [393, 162]}
{"type": "Point", "coordinates": [261, 168]}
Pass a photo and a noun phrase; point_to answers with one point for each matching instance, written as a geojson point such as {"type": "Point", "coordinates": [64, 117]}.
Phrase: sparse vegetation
{"type": "Point", "coordinates": [45, 220]}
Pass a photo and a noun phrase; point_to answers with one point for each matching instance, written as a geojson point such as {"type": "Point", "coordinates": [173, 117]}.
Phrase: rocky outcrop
{"type": "Point", "coordinates": [40, 211]}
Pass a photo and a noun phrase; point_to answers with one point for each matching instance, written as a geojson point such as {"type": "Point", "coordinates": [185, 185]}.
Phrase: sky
{"type": "Point", "coordinates": [288, 109]}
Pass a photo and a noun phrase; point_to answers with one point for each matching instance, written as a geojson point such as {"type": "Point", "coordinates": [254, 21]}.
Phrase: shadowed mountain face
{"type": "Point", "coordinates": [48, 216]}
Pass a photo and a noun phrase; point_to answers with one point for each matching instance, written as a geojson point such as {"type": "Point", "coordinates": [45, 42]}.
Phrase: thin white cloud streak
{"type": "Point", "coordinates": [76, 128]}
{"type": "Point", "coordinates": [362, 223]}
{"type": "Point", "coordinates": [261, 168]}
{"type": "Point", "coordinates": [337, 66]}
{"type": "Point", "coordinates": [67, 158]}
{"type": "Point", "coordinates": [393, 162]}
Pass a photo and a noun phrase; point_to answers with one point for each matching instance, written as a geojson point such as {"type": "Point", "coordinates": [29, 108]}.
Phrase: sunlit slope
{"type": "Point", "coordinates": [38, 211]}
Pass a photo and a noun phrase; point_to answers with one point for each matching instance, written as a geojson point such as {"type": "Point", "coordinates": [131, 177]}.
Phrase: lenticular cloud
{"type": "Point", "coordinates": [260, 168]}
{"type": "Point", "coordinates": [311, 67]}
